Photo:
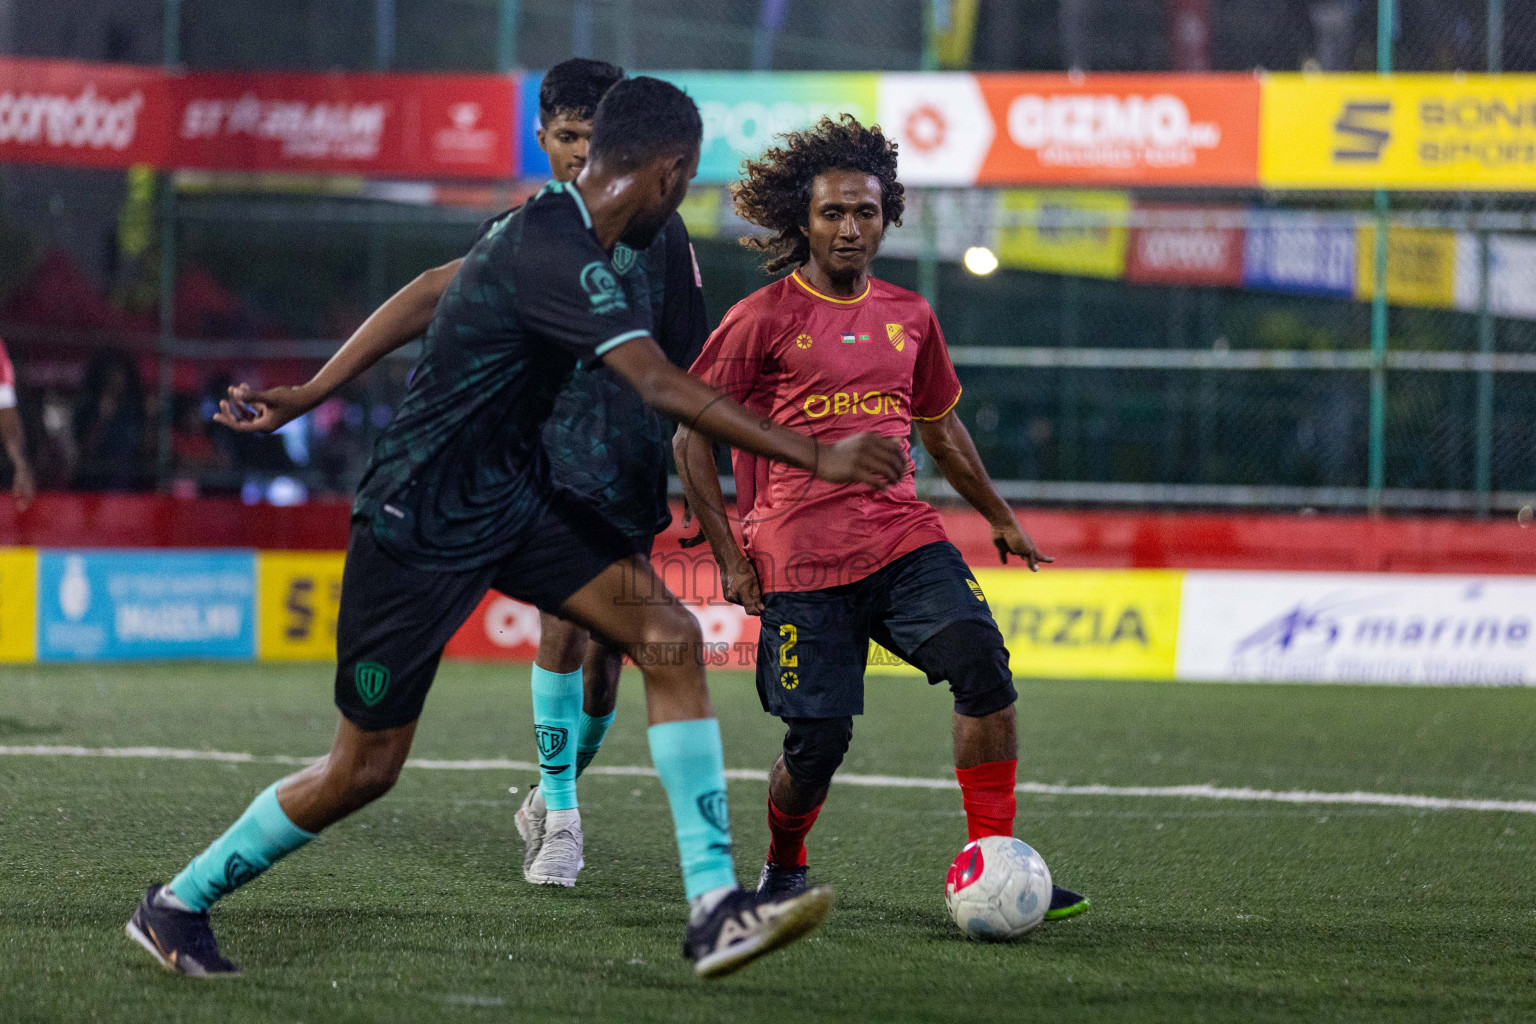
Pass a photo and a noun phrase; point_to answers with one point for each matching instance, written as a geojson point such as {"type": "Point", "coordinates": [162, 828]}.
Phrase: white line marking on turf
{"type": "Point", "coordinates": [1197, 792]}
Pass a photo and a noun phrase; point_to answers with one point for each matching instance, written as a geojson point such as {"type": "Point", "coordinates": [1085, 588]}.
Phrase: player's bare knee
{"type": "Point", "coordinates": [814, 749]}
{"type": "Point", "coordinates": [671, 638]}
{"type": "Point", "coordinates": [972, 657]}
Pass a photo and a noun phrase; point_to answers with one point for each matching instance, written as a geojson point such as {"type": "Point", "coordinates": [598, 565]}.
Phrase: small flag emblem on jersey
{"type": "Point", "coordinates": [803, 341]}
{"type": "Point", "coordinates": [897, 336]}
{"type": "Point", "coordinates": [976, 589]}
{"type": "Point", "coordinates": [863, 338]}
{"type": "Point", "coordinates": [848, 339]}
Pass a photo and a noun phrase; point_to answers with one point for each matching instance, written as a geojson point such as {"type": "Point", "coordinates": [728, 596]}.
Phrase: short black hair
{"type": "Point", "coordinates": [575, 87]}
{"type": "Point", "coordinates": [640, 119]}
{"type": "Point", "coordinates": [776, 191]}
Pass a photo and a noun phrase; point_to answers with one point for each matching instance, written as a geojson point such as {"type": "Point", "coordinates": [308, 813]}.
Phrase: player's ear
{"type": "Point", "coordinates": [540, 135]}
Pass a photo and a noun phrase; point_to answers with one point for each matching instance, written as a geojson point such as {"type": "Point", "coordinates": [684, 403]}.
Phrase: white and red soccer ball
{"type": "Point", "coordinates": [998, 889]}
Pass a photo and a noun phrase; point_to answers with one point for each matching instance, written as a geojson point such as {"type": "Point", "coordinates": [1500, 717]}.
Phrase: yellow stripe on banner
{"type": "Point", "coordinates": [298, 596]}
{"type": "Point", "coordinates": [1078, 624]}
{"type": "Point", "coordinates": [18, 605]}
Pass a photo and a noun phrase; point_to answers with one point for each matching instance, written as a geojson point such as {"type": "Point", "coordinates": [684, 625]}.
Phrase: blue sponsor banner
{"type": "Point", "coordinates": [153, 605]}
{"type": "Point", "coordinates": [1304, 253]}
{"type": "Point", "coordinates": [532, 163]}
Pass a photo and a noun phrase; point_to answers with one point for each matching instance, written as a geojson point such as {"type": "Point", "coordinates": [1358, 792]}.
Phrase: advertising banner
{"type": "Point", "coordinates": [1079, 624]}
{"type": "Point", "coordinates": [1421, 266]}
{"type": "Point", "coordinates": [1185, 251]}
{"type": "Point", "coordinates": [18, 605]}
{"type": "Point", "coordinates": [132, 605]}
{"type": "Point", "coordinates": [997, 129]}
{"type": "Point", "coordinates": [1450, 132]}
{"type": "Point", "coordinates": [743, 111]}
{"type": "Point", "coordinates": [1305, 253]}
{"type": "Point", "coordinates": [1511, 274]}
{"type": "Point", "coordinates": [298, 596]}
{"type": "Point", "coordinates": [425, 126]}
{"type": "Point", "coordinates": [1357, 628]}
{"type": "Point", "coordinates": [1063, 232]}
{"type": "Point", "coordinates": [91, 115]}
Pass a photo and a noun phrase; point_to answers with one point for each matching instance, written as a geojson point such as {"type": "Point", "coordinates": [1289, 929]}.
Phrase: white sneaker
{"type": "Point", "coordinates": [559, 858]}
{"type": "Point", "coordinates": [530, 825]}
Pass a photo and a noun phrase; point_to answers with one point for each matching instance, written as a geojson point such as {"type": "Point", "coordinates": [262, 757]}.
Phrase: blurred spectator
{"type": "Point", "coordinates": [109, 425]}
{"type": "Point", "coordinates": [23, 486]}
{"type": "Point", "coordinates": [192, 448]}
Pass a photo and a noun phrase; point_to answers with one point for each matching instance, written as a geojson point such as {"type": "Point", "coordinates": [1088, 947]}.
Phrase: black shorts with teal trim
{"type": "Point", "coordinates": [395, 620]}
{"type": "Point", "coordinates": [814, 644]}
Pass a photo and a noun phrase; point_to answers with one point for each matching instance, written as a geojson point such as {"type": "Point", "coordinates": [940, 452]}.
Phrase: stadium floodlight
{"type": "Point", "coordinates": [980, 260]}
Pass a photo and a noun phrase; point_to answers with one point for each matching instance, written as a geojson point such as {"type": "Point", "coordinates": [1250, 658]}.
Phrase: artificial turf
{"type": "Point", "coordinates": [415, 909]}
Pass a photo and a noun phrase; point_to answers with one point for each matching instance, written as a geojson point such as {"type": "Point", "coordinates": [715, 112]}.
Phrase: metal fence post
{"type": "Point", "coordinates": [1482, 467]}
{"type": "Point", "coordinates": [171, 56]}
{"type": "Point", "coordinates": [1377, 453]}
{"type": "Point", "coordinates": [506, 35]}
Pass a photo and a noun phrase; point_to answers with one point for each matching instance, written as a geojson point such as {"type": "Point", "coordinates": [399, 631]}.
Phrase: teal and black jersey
{"type": "Point", "coordinates": [607, 446]}
{"type": "Point", "coordinates": [461, 472]}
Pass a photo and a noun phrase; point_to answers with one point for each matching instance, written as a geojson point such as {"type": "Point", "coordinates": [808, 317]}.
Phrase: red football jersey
{"type": "Point", "coordinates": [830, 367]}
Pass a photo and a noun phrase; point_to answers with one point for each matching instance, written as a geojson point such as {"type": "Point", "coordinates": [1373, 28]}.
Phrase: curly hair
{"type": "Point", "coordinates": [776, 191]}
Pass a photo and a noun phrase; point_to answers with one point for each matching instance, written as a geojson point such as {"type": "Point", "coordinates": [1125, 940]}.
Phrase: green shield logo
{"type": "Point", "coordinates": [371, 680]}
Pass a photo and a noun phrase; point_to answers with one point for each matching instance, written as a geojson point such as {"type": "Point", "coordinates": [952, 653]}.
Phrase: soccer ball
{"type": "Point", "coordinates": [998, 889]}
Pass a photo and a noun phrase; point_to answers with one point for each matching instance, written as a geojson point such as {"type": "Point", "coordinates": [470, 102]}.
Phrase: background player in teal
{"type": "Point", "coordinates": [458, 499]}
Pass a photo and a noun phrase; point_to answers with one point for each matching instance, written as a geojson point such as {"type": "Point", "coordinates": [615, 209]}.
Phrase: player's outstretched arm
{"type": "Point", "coordinates": [860, 459]}
{"type": "Point", "coordinates": [701, 489]}
{"type": "Point", "coordinates": [403, 317]}
{"type": "Point", "coordinates": [23, 487]}
{"type": "Point", "coordinates": [953, 451]}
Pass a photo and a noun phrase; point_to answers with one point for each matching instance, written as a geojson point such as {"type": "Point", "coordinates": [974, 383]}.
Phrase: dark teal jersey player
{"type": "Point", "coordinates": [462, 468]}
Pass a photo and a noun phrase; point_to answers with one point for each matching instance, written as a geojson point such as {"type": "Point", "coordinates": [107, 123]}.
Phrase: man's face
{"type": "Point", "coordinates": [564, 137]}
{"type": "Point", "coordinates": [665, 182]}
{"type": "Point", "coordinates": [846, 223]}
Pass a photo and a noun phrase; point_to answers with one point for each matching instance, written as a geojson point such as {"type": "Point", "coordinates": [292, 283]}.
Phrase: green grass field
{"type": "Point", "coordinates": [416, 910]}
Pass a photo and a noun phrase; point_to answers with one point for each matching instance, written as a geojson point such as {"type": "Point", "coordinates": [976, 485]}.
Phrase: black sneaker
{"type": "Point", "coordinates": [781, 882]}
{"type": "Point", "coordinates": [180, 939]}
{"type": "Point", "coordinates": [1065, 903]}
{"type": "Point", "coordinates": [746, 925]}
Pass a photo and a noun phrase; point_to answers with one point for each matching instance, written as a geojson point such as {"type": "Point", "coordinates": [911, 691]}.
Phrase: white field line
{"type": "Point", "coordinates": [1197, 792]}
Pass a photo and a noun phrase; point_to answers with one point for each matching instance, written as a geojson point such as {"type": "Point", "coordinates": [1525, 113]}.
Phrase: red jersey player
{"type": "Point", "coordinates": [835, 351]}
{"type": "Point", "coordinates": [22, 487]}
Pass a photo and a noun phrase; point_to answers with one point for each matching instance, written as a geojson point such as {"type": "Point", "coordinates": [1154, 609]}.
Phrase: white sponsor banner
{"type": "Point", "coordinates": [1357, 628]}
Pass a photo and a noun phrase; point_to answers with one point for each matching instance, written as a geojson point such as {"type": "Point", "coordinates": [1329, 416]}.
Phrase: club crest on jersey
{"type": "Point", "coordinates": [552, 740]}
{"type": "Point", "coordinates": [715, 809]}
{"type": "Point", "coordinates": [371, 680]}
{"type": "Point", "coordinates": [603, 289]}
{"type": "Point", "coordinates": [897, 336]}
{"type": "Point", "coordinates": [623, 258]}
{"type": "Point", "coordinates": [803, 341]}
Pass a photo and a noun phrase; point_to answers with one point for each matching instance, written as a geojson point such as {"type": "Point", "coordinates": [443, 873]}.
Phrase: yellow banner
{"type": "Point", "coordinates": [1453, 132]}
{"type": "Point", "coordinates": [1421, 266]}
{"type": "Point", "coordinates": [1055, 238]}
{"type": "Point", "coordinates": [18, 605]}
{"type": "Point", "coordinates": [1078, 623]}
{"type": "Point", "coordinates": [298, 595]}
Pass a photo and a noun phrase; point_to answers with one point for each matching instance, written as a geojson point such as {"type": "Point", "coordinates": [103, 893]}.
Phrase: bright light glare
{"type": "Point", "coordinates": [980, 260]}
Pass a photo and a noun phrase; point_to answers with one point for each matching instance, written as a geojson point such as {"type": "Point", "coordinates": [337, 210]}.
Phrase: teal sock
{"type": "Point", "coordinates": [556, 708]}
{"type": "Point", "coordinates": [589, 738]}
{"type": "Point", "coordinates": [259, 838]}
{"type": "Point", "coordinates": [691, 765]}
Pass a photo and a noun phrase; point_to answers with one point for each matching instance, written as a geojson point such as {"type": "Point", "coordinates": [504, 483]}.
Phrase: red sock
{"type": "Point", "coordinates": [987, 793]}
{"type": "Point", "coordinates": [786, 847]}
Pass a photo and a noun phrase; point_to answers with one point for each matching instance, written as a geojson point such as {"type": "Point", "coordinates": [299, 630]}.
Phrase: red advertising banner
{"type": "Point", "coordinates": [91, 115]}
{"type": "Point", "coordinates": [1122, 129]}
{"type": "Point", "coordinates": [420, 126]}
{"type": "Point", "coordinates": [1186, 245]}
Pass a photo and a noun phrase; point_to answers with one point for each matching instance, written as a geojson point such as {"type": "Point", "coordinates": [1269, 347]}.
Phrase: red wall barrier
{"type": "Point", "coordinates": [1078, 539]}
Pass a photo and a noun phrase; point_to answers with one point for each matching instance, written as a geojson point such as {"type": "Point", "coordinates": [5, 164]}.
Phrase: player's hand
{"type": "Point", "coordinates": [862, 459]}
{"type": "Point", "coordinates": [23, 486]}
{"type": "Point", "coordinates": [741, 586]}
{"type": "Point", "coordinates": [249, 411]}
{"type": "Point", "coordinates": [1010, 540]}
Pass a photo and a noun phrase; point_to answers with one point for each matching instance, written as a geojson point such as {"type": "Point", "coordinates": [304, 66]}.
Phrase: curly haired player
{"type": "Point", "coordinates": [828, 566]}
